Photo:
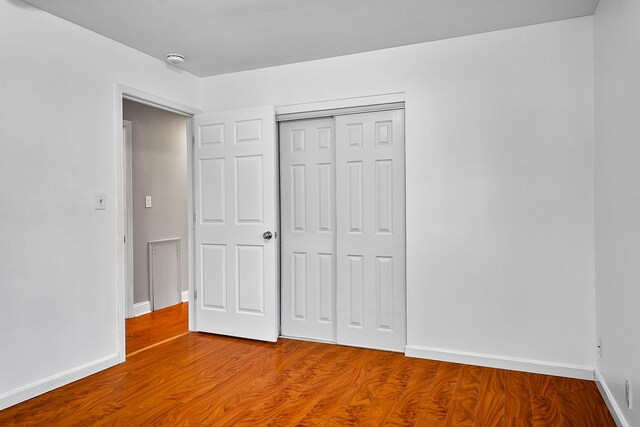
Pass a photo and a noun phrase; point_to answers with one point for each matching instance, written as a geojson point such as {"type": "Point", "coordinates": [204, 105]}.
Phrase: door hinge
{"type": "Point", "coordinates": [195, 294]}
{"type": "Point", "coordinates": [125, 239]}
{"type": "Point", "coordinates": [194, 218]}
{"type": "Point", "coordinates": [193, 140]}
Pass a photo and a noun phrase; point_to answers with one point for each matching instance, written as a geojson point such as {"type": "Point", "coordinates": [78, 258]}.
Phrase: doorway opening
{"type": "Point", "coordinates": [154, 221]}
{"type": "Point", "coordinates": [157, 225]}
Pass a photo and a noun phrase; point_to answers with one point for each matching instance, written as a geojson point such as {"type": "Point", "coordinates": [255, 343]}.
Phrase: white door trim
{"type": "Point", "coordinates": [335, 112]}
{"type": "Point", "coordinates": [356, 103]}
{"type": "Point", "coordinates": [122, 92]}
{"type": "Point", "coordinates": [128, 198]}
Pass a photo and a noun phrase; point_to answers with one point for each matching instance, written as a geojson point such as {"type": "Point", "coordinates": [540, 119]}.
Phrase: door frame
{"type": "Point", "coordinates": [333, 108]}
{"type": "Point", "coordinates": [127, 129]}
{"type": "Point", "coordinates": [123, 92]}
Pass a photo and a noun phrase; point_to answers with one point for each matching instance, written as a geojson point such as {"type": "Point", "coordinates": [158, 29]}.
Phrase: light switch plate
{"type": "Point", "coordinates": [147, 201]}
{"type": "Point", "coordinates": [100, 201]}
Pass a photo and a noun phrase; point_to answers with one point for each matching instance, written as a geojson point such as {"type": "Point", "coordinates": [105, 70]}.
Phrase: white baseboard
{"type": "Point", "coordinates": [502, 362]}
{"type": "Point", "coordinates": [141, 308]}
{"type": "Point", "coordinates": [615, 410]}
{"type": "Point", "coordinates": [185, 296]}
{"type": "Point", "coordinates": [39, 387]}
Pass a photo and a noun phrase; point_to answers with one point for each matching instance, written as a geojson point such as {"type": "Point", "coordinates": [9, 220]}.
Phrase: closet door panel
{"type": "Point", "coordinates": [370, 230]}
{"type": "Point", "coordinates": [307, 194]}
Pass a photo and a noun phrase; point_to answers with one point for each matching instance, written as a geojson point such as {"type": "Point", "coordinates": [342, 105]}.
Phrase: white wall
{"type": "Point", "coordinates": [499, 149]}
{"type": "Point", "coordinates": [499, 152]}
{"type": "Point", "coordinates": [617, 198]}
{"type": "Point", "coordinates": [159, 168]}
{"type": "Point", "coordinates": [58, 270]}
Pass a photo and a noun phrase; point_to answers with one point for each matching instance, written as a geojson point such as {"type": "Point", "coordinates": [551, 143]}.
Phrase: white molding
{"type": "Point", "coordinates": [615, 410]}
{"type": "Point", "coordinates": [141, 308]}
{"type": "Point", "coordinates": [147, 98]}
{"type": "Point", "coordinates": [127, 188]}
{"type": "Point", "coordinates": [339, 112]}
{"type": "Point", "coordinates": [502, 362]}
{"type": "Point", "coordinates": [185, 296]}
{"type": "Point", "coordinates": [332, 104]}
{"type": "Point", "coordinates": [44, 385]}
{"type": "Point", "coordinates": [191, 241]}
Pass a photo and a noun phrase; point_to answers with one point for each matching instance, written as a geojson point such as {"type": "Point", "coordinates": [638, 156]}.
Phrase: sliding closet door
{"type": "Point", "coordinates": [307, 225]}
{"type": "Point", "coordinates": [370, 230]}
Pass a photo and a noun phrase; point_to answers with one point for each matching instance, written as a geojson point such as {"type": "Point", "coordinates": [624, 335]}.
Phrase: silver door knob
{"type": "Point", "coordinates": [267, 235]}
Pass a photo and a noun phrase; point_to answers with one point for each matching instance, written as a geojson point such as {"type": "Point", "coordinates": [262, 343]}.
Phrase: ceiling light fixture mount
{"type": "Point", "coordinates": [175, 58]}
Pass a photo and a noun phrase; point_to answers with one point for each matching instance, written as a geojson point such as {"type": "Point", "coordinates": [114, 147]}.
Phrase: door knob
{"type": "Point", "coordinates": [267, 235]}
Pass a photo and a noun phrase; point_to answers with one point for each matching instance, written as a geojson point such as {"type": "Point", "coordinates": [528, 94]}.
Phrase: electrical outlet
{"type": "Point", "coordinates": [627, 394]}
{"type": "Point", "coordinates": [599, 347]}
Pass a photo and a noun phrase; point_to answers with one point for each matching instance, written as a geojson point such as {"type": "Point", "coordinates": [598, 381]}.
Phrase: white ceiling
{"type": "Point", "coordinates": [222, 36]}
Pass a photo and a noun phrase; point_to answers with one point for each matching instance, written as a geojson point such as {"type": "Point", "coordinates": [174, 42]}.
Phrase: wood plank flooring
{"type": "Point", "coordinates": [156, 327]}
{"type": "Point", "coordinates": [201, 379]}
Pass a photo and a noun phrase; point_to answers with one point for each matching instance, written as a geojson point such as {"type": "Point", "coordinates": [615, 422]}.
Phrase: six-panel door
{"type": "Point", "coordinates": [235, 203]}
{"type": "Point", "coordinates": [307, 194]}
{"type": "Point", "coordinates": [370, 230]}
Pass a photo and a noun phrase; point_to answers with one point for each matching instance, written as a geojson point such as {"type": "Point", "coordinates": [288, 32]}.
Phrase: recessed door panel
{"type": "Point", "coordinates": [384, 195]}
{"type": "Point", "coordinates": [248, 131]}
{"type": "Point", "coordinates": [299, 285]}
{"type": "Point", "coordinates": [249, 189]}
{"type": "Point", "coordinates": [297, 140]}
{"type": "Point", "coordinates": [354, 135]}
{"type": "Point", "coordinates": [354, 202]}
{"type": "Point", "coordinates": [384, 292]}
{"type": "Point", "coordinates": [212, 134]}
{"type": "Point", "coordinates": [214, 266]}
{"type": "Point", "coordinates": [212, 186]}
{"type": "Point", "coordinates": [384, 133]}
{"type": "Point", "coordinates": [299, 194]}
{"type": "Point", "coordinates": [326, 197]}
{"type": "Point", "coordinates": [250, 278]}
{"type": "Point", "coordinates": [356, 290]}
{"type": "Point", "coordinates": [325, 280]}
{"type": "Point", "coordinates": [307, 194]}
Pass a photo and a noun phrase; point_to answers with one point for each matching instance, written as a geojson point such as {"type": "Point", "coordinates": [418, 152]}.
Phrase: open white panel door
{"type": "Point", "coordinates": [236, 213]}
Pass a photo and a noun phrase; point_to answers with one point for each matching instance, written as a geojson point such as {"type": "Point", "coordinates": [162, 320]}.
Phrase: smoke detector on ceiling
{"type": "Point", "coordinates": [175, 59]}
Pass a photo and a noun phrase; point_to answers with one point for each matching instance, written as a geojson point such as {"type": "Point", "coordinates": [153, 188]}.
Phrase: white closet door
{"type": "Point", "coordinates": [371, 230]}
{"type": "Point", "coordinates": [307, 224]}
{"type": "Point", "coordinates": [235, 203]}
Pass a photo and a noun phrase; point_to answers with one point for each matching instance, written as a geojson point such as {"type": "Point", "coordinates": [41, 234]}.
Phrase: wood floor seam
{"type": "Point", "coordinates": [156, 344]}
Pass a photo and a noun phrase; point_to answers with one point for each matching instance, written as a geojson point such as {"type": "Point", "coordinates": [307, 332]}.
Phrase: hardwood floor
{"type": "Point", "coordinates": [155, 327]}
{"type": "Point", "coordinates": [201, 379]}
